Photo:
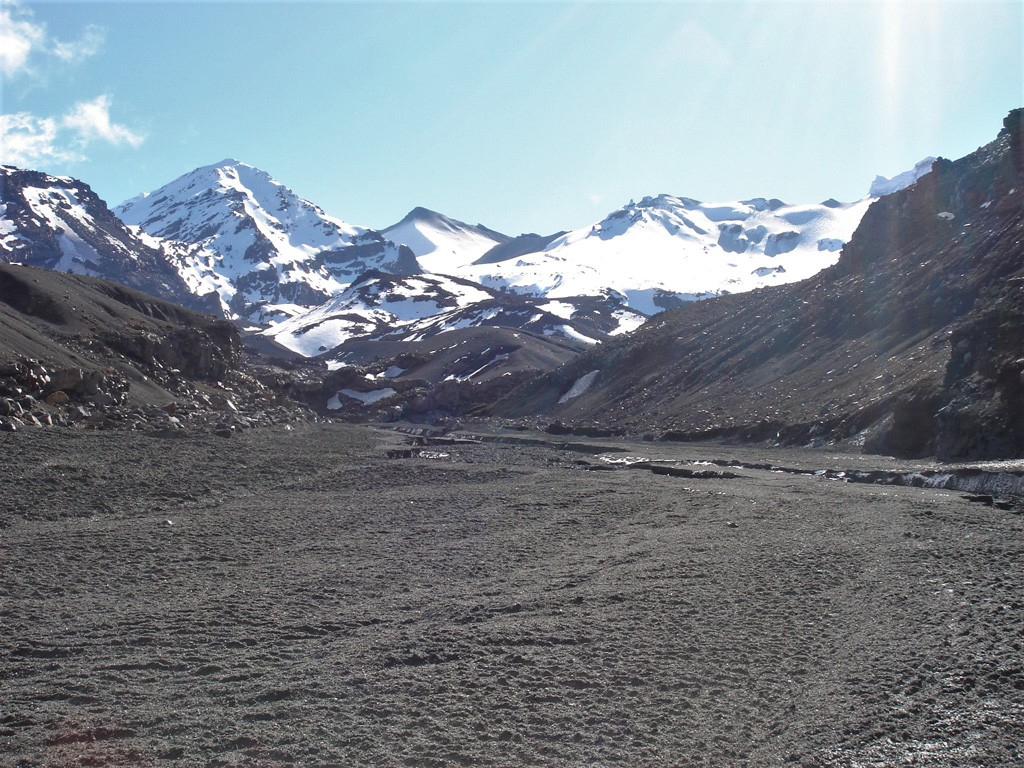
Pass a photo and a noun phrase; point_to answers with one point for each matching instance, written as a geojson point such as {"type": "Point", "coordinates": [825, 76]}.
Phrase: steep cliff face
{"type": "Point", "coordinates": [963, 227]}
{"type": "Point", "coordinates": [70, 319]}
{"type": "Point", "coordinates": [86, 352]}
{"type": "Point", "coordinates": [911, 344]}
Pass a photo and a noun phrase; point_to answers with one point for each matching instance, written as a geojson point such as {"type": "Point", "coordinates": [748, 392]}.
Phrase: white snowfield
{"type": "Point", "coordinates": [883, 186]}
{"type": "Point", "coordinates": [672, 245]}
{"type": "Point", "coordinates": [274, 258]}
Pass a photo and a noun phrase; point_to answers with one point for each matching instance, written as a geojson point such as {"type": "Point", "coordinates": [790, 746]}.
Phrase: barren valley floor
{"type": "Point", "coordinates": [295, 597]}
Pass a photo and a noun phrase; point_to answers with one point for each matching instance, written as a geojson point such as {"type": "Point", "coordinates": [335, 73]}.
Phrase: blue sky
{"type": "Point", "coordinates": [521, 116]}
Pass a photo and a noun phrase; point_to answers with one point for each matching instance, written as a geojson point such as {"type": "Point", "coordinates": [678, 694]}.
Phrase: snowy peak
{"type": "Point", "coordinates": [666, 250]}
{"type": "Point", "coordinates": [883, 186]}
{"type": "Point", "coordinates": [187, 208]}
{"type": "Point", "coordinates": [267, 253]}
{"type": "Point", "coordinates": [441, 244]}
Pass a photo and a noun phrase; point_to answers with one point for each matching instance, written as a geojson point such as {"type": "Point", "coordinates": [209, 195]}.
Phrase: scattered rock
{"type": "Point", "coordinates": [60, 397]}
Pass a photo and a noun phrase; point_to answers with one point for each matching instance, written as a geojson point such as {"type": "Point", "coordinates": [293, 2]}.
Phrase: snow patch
{"type": "Point", "coordinates": [559, 309]}
{"type": "Point", "coordinates": [569, 332]}
{"type": "Point", "coordinates": [628, 322]}
{"type": "Point", "coordinates": [581, 385]}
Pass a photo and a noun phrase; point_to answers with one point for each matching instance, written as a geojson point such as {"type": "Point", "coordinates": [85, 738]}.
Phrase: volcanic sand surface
{"type": "Point", "coordinates": [296, 598]}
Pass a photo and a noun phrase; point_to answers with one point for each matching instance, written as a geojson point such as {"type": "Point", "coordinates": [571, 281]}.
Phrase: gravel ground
{"type": "Point", "coordinates": [295, 597]}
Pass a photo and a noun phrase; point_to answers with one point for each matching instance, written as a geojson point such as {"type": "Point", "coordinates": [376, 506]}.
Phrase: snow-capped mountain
{"type": "Point", "coordinates": [883, 186]}
{"type": "Point", "coordinates": [380, 306]}
{"type": "Point", "coordinates": [443, 245]}
{"type": "Point", "coordinates": [59, 223]}
{"type": "Point", "coordinates": [231, 236]}
{"type": "Point", "coordinates": [668, 250]}
{"type": "Point", "coordinates": [267, 253]}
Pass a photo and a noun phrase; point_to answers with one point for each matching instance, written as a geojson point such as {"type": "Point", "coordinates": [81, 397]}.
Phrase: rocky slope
{"type": "Point", "coordinates": [435, 379]}
{"type": "Point", "coordinates": [266, 253]}
{"type": "Point", "coordinates": [911, 344]}
{"type": "Point", "coordinates": [88, 352]}
{"type": "Point", "coordinates": [59, 223]}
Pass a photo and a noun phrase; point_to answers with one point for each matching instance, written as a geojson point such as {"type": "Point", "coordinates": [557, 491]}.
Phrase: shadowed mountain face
{"type": "Point", "coordinates": [94, 354]}
{"type": "Point", "coordinates": [60, 224]}
{"type": "Point", "coordinates": [912, 343]}
{"type": "Point", "coordinates": [68, 321]}
{"type": "Point", "coordinates": [518, 246]}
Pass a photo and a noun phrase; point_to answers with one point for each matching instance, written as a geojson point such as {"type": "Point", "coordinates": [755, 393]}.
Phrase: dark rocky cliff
{"type": "Point", "coordinates": [912, 344]}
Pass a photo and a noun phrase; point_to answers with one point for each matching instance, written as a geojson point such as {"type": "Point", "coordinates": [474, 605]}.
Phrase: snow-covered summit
{"type": "Point", "coordinates": [882, 186]}
{"type": "Point", "coordinates": [186, 208]}
{"type": "Point", "coordinates": [665, 250]}
{"type": "Point", "coordinates": [231, 228]}
{"type": "Point", "coordinates": [441, 244]}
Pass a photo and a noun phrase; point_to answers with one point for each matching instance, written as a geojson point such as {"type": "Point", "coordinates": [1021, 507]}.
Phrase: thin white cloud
{"type": "Point", "coordinates": [91, 43]}
{"type": "Point", "coordinates": [22, 39]}
{"type": "Point", "coordinates": [27, 140]}
{"type": "Point", "coordinates": [692, 43]}
{"type": "Point", "coordinates": [90, 120]}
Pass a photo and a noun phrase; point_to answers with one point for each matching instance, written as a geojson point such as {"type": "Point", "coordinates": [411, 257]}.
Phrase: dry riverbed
{"type": "Point", "coordinates": [297, 598]}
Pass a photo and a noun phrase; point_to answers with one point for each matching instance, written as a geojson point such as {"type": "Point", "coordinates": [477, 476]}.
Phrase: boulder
{"type": "Point", "coordinates": [65, 379]}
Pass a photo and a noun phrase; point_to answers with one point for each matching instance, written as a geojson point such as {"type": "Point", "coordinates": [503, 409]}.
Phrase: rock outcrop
{"type": "Point", "coordinates": [80, 351]}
